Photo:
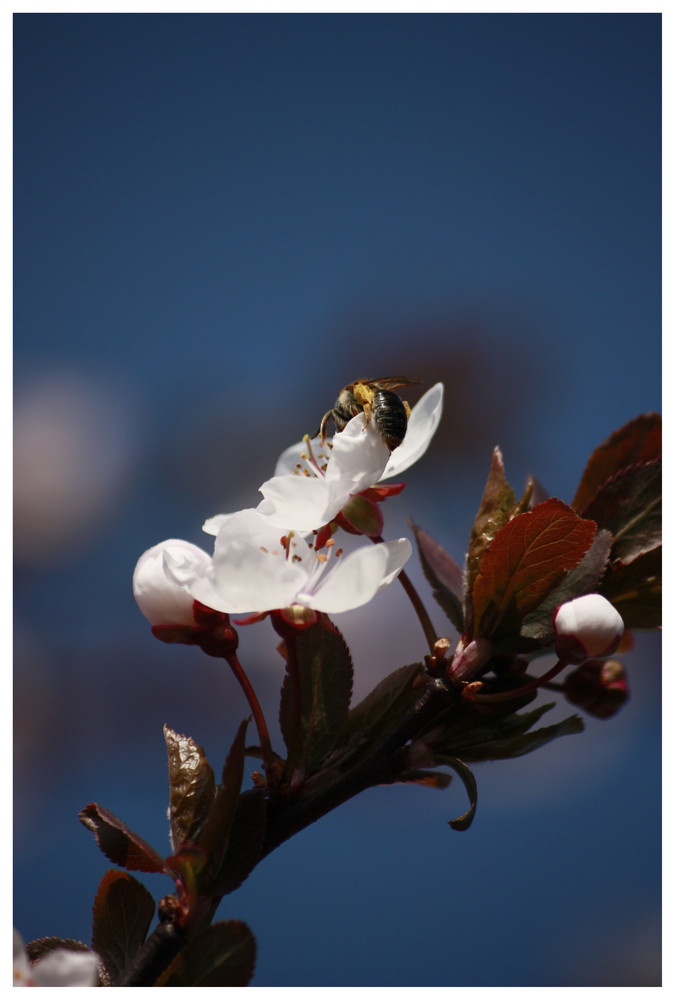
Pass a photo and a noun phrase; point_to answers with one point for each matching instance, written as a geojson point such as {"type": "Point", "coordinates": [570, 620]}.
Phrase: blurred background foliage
{"type": "Point", "coordinates": [219, 221]}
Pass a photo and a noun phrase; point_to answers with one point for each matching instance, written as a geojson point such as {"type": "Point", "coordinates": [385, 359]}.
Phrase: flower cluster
{"type": "Point", "coordinates": [282, 553]}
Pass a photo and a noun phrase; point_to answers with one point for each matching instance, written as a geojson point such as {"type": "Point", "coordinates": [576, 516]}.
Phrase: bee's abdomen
{"type": "Point", "coordinates": [390, 417]}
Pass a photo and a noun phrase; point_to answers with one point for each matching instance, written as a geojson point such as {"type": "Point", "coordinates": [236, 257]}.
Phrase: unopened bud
{"type": "Point", "coordinates": [588, 626]}
{"type": "Point", "coordinates": [469, 659]}
{"type": "Point", "coordinates": [599, 687]}
{"type": "Point", "coordinates": [160, 598]}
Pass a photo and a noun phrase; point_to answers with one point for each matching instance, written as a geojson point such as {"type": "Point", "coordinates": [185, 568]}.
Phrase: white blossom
{"type": "Point", "coordinates": [255, 568]}
{"type": "Point", "coordinates": [313, 483]}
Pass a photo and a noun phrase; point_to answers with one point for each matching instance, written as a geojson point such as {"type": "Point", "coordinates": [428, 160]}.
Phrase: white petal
{"type": "Point", "coordinates": [212, 525]}
{"type": "Point", "coordinates": [424, 420]}
{"type": "Point", "coordinates": [298, 503]}
{"type": "Point", "coordinates": [358, 577]}
{"type": "Point", "coordinates": [159, 594]}
{"type": "Point", "coordinates": [359, 455]}
{"type": "Point", "coordinates": [250, 569]}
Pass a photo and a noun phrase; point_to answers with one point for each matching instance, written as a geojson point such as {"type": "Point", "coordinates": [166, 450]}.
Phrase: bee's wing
{"type": "Point", "coordinates": [391, 382]}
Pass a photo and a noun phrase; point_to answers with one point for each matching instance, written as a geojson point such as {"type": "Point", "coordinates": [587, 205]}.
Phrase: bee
{"type": "Point", "coordinates": [375, 398]}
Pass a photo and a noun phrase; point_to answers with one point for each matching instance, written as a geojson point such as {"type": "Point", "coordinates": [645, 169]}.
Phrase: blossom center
{"type": "Point", "coordinates": [313, 466]}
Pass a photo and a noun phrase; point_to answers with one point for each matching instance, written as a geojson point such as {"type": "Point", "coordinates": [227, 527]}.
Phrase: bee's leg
{"type": "Point", "coordinates": [364, 395]}
{"type": "Point", "coordinates": [323, 425]}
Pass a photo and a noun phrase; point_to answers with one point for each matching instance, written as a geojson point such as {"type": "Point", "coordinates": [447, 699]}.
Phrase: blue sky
{"type": "Point", "coordinates": [219, 221]}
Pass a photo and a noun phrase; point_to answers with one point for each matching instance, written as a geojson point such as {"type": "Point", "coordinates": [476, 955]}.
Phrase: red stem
{"type": "Point", "coordinates": [420, 610]}
{"type": "Point", "coordinates": [524, 689]}
{"type": "Point", "coordinates": [263, 732]}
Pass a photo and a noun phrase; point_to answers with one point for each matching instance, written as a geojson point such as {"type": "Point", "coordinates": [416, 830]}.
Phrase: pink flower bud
{"type": "Point", "coordinates": [588, 626]}
{"type": "Point", "coordinates": [160, 598]}
{"type": "Point", "coordinates": [469, 659]}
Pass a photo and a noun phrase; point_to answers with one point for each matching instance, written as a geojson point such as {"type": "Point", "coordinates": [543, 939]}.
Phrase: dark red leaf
{"type": "Point", "coordinates": [444, 575]}
{"type": "Point", "coordinates": [325, 674]}
{"type": "Point", "coordinates": [637, 441]}
{"type": "Point", "coordinates": [526, 560]}
{"type": "Point", "coordinates": [119, 844]}
{"type": "Point", "coordinates": [634, 589]}
{"type": "Point", "coordinates": [245, 843]}
{"type": "Point", "coordinates": [583, 579]}
{"type": "Point", "coordinates": [222, 955]}
{"type": "Point", "coordinates": [496, 504]}
{"type": "Point", "coordinates": [123, 912]}
{"type": "Point", "coordinates": [217, 829]}
{"type": "Point", "coordinates": [629, 505]}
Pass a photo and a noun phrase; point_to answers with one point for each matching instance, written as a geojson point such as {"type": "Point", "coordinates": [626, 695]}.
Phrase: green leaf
{"type": "Point", "coordinates": [192, 787]}
{"type": "Point", "coordinates": [325, 673]}
{"type": "Point", "coordinates": [443, 574]}
{"type": "Point", "coordinates": [636, 442]}
{"type": "Point", "coordinates": [120, 844]}
{"type": "Point", "coordinates": [583, 579]}
{"type": "Point", "coordinates": [629, 505]}
{"type": "Point", "coordinates": [245, 843]}
{"type": "Point", "coordinates": [123, 912]}
{"type": "Point", "coordinates": [477, 728]}
{"type": "Point", "coordinates": [380, 710]}
{"type": "Point", "coordinates": [517, 746]}
{"type": "Point", "coordinates": [526, 560]}
{"type": "Point", "coordinates": [634, 589]}
{"type": "Point", "coordinates": [222, 955]}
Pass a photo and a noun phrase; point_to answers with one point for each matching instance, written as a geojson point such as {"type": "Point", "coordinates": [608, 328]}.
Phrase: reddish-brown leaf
{"type": "Point", "coordinates": [444, 575]}
{"type": "Point", "coordinates": [527, 558]}
{"type": "Point", "coordinates": [191, 786]}
{"type": "Point", "coordinates": [120, 844]}
{"type": "Point", "coordinates": [637, 441]}
{"type": "Point", "coordinates": [629, 505]}
{"type": "Point", "coordinates": [495, 507]}
{"type": "Point", "coordinates": [221, 955]}
{"type": "Point", "coordinates": [123, 912]}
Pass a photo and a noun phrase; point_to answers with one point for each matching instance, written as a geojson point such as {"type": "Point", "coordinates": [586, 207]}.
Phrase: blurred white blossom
{"type": "Point", "coordinates": [72, 452]}
{"type": "Point", "coordinates": [60, 967]}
